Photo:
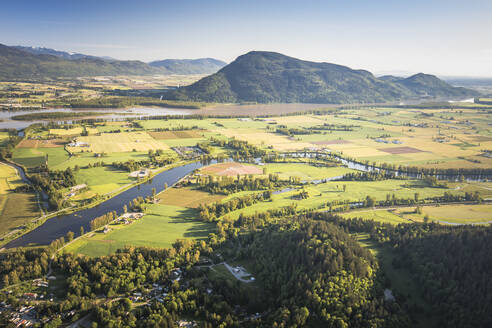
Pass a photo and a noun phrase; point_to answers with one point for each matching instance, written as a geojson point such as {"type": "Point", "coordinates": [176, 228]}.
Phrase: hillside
{"type": "Point", "coordinates": [429, 85]}
{"type": "Point", "coordinates": [266, 77]}
{"type": "Point", "coordinates": [38, 63]}
{"type": "Point", "coordinates": [170, 66]}
{"type": "Point", "coordinates": [190, 66]}
{"type": "Point", "coordinates": [17, 64]}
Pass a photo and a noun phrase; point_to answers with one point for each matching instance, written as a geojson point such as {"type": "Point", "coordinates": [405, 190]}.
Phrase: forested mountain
{"type": "Point", "coordinates": [265, 77]}
{"type": "Point", "coordinates": [190, 66]}
{"type": "Point", "coordinates": [17, 64]}
{"type": "Point", "coordinates": [34, 63]}
{"type": "Point", "coordinates": [430, 85]}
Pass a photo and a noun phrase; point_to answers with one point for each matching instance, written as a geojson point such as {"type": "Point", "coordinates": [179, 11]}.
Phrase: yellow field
{"type": "Point", "coordinates": [119, 142]}
{"type": "Point", "coordinates": [294, 120]}
{"type": "Point", "coordinates": [462, 212]}
{"type": "Point", "coordinates": [15, 208]}
{"type": "Point", "coordinates": [359, 152]}
{"type": "Point", "coordinates": [187, 197]}
{"type": "Point", "coordinates": [8, 179]}
{"type": "Point", "coordinates": [72, 132]}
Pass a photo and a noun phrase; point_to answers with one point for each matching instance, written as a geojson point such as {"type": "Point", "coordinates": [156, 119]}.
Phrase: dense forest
{"type": "Point", "coordinates": [310, 272]}
{"type": "Point", "coordinates": [452, 264]}
{"type": "Point", "coordinates": [230, 185]}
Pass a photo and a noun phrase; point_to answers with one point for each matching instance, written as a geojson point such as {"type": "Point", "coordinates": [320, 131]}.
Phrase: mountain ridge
{"type": "Point", "coordinates": [265, 77]}
{"type": "Point", "coordinates": [17, 62]}
{"type": "Point", "coordinates": [59, 53]}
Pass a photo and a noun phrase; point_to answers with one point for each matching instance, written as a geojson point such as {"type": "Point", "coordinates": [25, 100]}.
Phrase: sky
{"type": "Point", "coordinates": [447, 38]}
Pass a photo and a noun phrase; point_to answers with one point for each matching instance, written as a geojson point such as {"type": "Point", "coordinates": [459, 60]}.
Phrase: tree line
{"type": "Point", "coordinates": [212, 212]}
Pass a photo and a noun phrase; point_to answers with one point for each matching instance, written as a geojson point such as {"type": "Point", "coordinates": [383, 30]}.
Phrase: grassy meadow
{"type": "Point", "coordinates": [160, 227]}
{"type": "Point", "coordinates": [187, 197]}
{"type": "Point", "coordinates": [32, 157]}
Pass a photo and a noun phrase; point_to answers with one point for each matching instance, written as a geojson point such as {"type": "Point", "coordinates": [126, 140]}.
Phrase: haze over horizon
{"type": "Point", "coordinates": [446, 38]}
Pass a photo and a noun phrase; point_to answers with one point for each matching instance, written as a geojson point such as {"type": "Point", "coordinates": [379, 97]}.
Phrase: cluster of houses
{"type": "Point", "coordinates": [157, 292]}
{"type": "Point", "coordinates": [25, 316]}
{"type": "Point", "coordinates": [188, 152]}
{"type": "Point", "coordinates": [126, 218]}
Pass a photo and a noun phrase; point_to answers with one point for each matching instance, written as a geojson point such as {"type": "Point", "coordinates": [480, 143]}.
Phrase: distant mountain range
{"type": "Point", "coordinates": [265, 77]}
{"type": "Point", "coordinates": [20, 62]}
{"type": "Point", "coordinates": [257, 76]}
{"type": "Point", "coordinates": [57, 53]}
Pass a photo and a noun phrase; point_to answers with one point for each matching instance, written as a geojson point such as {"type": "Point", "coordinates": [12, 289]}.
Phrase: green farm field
{"type": "Point", "coordinates": [381, 215]}
{"type": "Point", "coordinates": [101, 180]}
{"type": "Point", "coordinates": [32, 157]}
{"type": "Point", "coordinates": [444, 214]}
{"type": "Point", "coordinates": [161, 226]}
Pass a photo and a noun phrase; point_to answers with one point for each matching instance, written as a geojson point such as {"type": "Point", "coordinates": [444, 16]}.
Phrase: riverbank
{"type": "Point", "coordinates": [58, 226]}
{"type": "Point", "coordinates": [37, 222]}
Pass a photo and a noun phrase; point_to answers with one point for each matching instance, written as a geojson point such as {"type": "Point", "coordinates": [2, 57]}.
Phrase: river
{"type": "Point", "coordinates": [6, 121]}
{"type": "Point", "coordinates": [368, 168]}
{"type": "Point", "coordinates": [59, 226]}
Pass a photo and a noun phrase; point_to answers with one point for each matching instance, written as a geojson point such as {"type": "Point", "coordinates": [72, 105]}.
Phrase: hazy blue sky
{"type": "Point", "coordinates": [441, 37]}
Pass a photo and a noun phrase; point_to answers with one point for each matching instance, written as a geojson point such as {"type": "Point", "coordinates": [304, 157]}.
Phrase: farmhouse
{"type": "Point", "coordinates": [134, 216]}
{"type": "Point", "coordinates": [78, 144]}
{"type": "Point", "coordinates": [142, 173]}
{"type": "Point", "coordinates": [78, 187]}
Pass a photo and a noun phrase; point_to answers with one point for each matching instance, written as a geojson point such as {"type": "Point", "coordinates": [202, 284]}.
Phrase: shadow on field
{"type": "Point", "coordinates": [31, 161]}
{"type": "Point", "coordinates": [199, 229]}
